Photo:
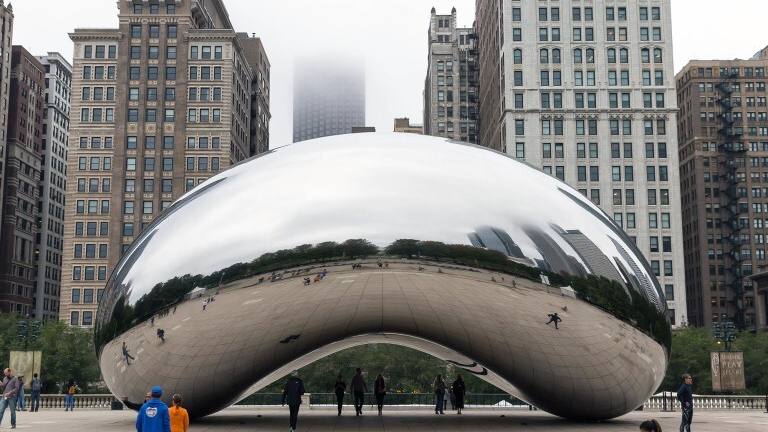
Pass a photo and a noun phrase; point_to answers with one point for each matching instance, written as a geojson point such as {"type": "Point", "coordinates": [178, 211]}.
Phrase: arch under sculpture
{"type": "Point", "coordinates": [452, 249]}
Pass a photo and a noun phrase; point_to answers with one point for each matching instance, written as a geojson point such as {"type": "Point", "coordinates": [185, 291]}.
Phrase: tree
{"type": "Point", "coordinates": [68, 352]}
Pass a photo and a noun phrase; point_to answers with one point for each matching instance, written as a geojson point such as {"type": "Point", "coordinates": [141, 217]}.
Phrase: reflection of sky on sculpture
{"type": "Point", "coordinates": [380, 187]}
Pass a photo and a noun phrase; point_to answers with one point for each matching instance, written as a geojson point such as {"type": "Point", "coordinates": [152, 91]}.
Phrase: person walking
{"type": "Point", "coordinates": [34, 399]}
{"type": "Point", "coordinates": [20, 406]}
{"type": "Point", "coordinates": [685, 396]}
{"type": "Point", "coordinates": [459, 391]}
{"type": "Point", "coordinates": [339, 389]}
{"type": "Point", "coordinates": [179, 416]}
{"type": "Point", "coordinates": [10, 387]}
{"type": "Point", "coordinates": [358, 389]}
{"type": "Point", "coordinates": [154, 415]}
{"type": "Point", "coordinates": [292, 392]}
{"type": "Point", "coordinates": [650, 426]}
{"type": "Point", "coordinates": [69, 395]}
{"type": "Point", "coordinates": [379, 391]}
{"type": "Point", "coordinates": [439, 387]}
{"type": "Point", "coordinates": [554, 318]}
{"type": "Point", "coordinates": [452, 398]}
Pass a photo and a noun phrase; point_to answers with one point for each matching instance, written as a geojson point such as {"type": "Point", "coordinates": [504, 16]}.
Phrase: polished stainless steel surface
{"type": "Point", "coordinates": [463, 253]}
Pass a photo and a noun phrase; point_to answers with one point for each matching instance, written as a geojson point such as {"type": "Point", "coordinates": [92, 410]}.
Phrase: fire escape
{"type": "Point", "coordinates": [731, 152]}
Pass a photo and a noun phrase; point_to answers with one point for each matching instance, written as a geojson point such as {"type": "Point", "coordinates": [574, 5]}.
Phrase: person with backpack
{"type": "Point", "coordinates": [69, 395]}
{"type": "Point", "coordinates": [34, 398]}
{"type": "Point", "coordinates": [20, 405]}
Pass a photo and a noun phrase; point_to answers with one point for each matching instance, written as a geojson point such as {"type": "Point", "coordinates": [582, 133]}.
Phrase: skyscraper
{"type": "Point", "coordinates": [52, 186]}
{"type": "Point", "coordinates": [6, 33]}
{"type": "Point", "coordinates": [450, 88]}
{"type": "Point", "coordinates": [586, 92]}
{"type": "Point", "coordinates": [328, 97]}
{"type": "Point", "coordinates": [160, 104]}
{"type": "Point", "coordinates": [18, 227]}
{"type": "Point", "coordinates": [723, 128]}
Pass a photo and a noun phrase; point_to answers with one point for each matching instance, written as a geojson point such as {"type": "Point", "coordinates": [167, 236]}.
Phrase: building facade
{"type": "Point", "coordinates": [52, 185]}
{"type": "Point", "coordinates": [404, 125]}
{"type": "Point", "coordinates": [723, 130]}
{"type": "Point", "coordinates": [160, 104]}
{"type": "Point", "coordinates": [451, 84]}
{"type": "Point", "coordinates": [21, 175]}
{"type": "Point", "coordinates": [586, 92]}
{"type": "Point", "coordinates": [6, 33]}
{"type": "Point", "coordinates": [260, 89]}
{"type": "Point", "coordinates": [328, 97]}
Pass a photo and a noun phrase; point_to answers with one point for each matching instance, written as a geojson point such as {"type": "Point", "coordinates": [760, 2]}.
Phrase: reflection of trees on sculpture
{"type": "Point", "coordinates": [609, 295]}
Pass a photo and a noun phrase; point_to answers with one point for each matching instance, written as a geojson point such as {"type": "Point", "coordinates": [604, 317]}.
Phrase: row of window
{"type": "Point", "coordinates": [171, 31]}
{"type": "Point", "coordinates": [74, 317]}
{"type": "Point", "coordinates": [554, 100]}
{"type": "Point", "coordinates": [89, 273]}
{"type": "Point", "coordinates": [615, 78]}
{"type": "Point", "coordinates": [92, 207]}
{"type": "Point", "coordinates": [733, 72]}
{"type": "Point", "coordinates": [581, 150]}
{"type": "Point", "coordinates": [580, 55]}
{"type": "Point", "coordinates": [90, 250]}
{"type": "Point", "coordinates": [735, 87]}
{"type": "Point", "coordinates": [149, 186]}
{"type": "Point", "coordinates": [587, 13]}
{"type": "Point", "coordinates": [153, 9]}
{"type": "Point", "coordinates": [629, 176]}
{"type": "Point", "coordinates": [100, 51]}
{"type": "Point", "coordinates": [590, 127]}
{"type": "Point", "coordinates": [147, 207]}
{"type": "Point", "coordinates": [92, 229]}
{"type": "Point", "coordinates": [94, 185]}
{"type": "Point", "coordinates": [149, 163]}
{"type": "Point", "coordinates": [95, 163]}
{"type": "Point", "coordinates": [87, 295]}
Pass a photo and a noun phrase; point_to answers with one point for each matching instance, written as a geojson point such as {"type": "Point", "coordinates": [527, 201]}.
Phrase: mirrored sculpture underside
{"type": "Point", "coordinates": [458, 251]}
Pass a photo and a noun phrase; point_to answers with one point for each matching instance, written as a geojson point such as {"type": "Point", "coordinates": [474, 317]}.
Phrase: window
{"type": "Point", "coordinates": [154, 52]}
{"type": "Point", "coordinates": [167, 142]}
{"type": "Point", "coordinates": [170, 52]}
{"type": "Point", "coordinates": [133, 115]}
{"type": "Point", "coordinates": [170, 73]}
{"type": "Point", "coordinates": [136, 31]}
{"type": "Point", "coordinates": [154, 31]}
{"type": "Point", "coordinates": [520, 150]}
{"type": "Point", "coordinates": [172, 31]}
{"type": "Point", "coordinates": [169, 115]}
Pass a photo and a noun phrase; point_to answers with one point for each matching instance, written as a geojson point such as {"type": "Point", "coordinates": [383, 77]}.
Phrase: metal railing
{"type": "Point", "coordinates": [666, 401]}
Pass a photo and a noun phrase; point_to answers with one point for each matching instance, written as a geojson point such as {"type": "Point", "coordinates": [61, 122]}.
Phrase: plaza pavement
{"type": "Point", "coordinates": [245, 419]}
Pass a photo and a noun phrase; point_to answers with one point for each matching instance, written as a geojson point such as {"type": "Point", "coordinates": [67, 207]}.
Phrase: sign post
{"type": "Point", "coordinates": [727, 371]}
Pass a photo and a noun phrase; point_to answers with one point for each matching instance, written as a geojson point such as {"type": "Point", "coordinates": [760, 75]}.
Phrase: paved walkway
{"type": "Point", "coordinates": [238, 419]}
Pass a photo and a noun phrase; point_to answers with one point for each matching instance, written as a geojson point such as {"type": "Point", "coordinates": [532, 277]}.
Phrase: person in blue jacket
{"type": "Point", "coordinates": [153, 415]}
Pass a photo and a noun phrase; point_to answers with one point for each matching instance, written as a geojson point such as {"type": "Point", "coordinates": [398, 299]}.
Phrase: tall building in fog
{"type": "Point", "coordinates": [18, 227]}
{"type": "Point", "coordinates": [451, 85]}
{"type": "Point", "coordinates": [260, 91]}
{"type": "Point", "coordinates": [586, 92]}
{"type": "Point", "coordinates": [160, 104]}
{"type": "Point", "coordinates": [328, 97]}
{"type": "Point", "coordinates": [723, 129]}
{"type": "Point", "coordinates": [52, 185]}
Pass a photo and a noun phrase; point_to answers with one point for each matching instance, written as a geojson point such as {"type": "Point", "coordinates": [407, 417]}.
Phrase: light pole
{"type": "Point", "coordinates": [29, 331]}
{"type": "Point", "coordinates": [724, 333]}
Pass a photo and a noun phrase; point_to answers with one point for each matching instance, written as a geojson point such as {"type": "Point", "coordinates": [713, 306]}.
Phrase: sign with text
{"type": "Point", "coordinates": [25, 363]}
{"type": "Point", "coordinates": [727, 370]}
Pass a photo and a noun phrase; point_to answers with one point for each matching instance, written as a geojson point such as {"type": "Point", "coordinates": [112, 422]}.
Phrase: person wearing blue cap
{"type": "Point", "coordinates": [153, 415]}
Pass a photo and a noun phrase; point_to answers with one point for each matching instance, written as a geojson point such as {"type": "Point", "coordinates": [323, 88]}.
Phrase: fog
{"type": "Point", "coordinates": [390, 36]}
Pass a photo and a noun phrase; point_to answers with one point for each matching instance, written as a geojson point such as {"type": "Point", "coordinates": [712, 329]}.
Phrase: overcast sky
{"type": "Point", "coordinates": [389, 35]}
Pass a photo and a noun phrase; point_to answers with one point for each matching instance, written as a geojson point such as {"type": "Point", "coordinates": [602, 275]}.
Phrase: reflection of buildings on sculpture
{"type": "Point", "coordinates": [555, 258]}
{"type": "Point", "coordinates": [495, 239]}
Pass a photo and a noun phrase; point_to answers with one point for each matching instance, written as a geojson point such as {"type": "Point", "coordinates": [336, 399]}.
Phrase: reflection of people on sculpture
{"type": "Point", "coordinates": [128, 356]}
{"type": "Point", "coordinates": [161, 334]}
{"type": "Point", "coordinates": [553, 318]}
{"type": "Point", "coordinates": [307, 281]}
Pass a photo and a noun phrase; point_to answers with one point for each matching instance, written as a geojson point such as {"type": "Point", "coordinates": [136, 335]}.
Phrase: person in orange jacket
{"type": "Point", "coordinates": [179, 416]}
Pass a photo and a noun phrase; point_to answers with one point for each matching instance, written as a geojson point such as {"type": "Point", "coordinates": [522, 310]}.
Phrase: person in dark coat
{"type": "Point", "coordinates": [458, 392]}
{"type": "Point", "coordinates": [133, 405]}
{"type": "Point", "coordinates": [358, 390]}
{"type": "Point", "coordinates": [339, 389]}
{"type": "Point", "coordinates": [379, 390]}
{"type": "Point", "coordinates": [685, 396]}
{"type": "Point", "coordinates": [292, 393]}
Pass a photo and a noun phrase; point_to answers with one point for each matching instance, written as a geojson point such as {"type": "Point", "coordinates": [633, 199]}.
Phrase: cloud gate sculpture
{"type": "Point", "coordinates": [452, 249]}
